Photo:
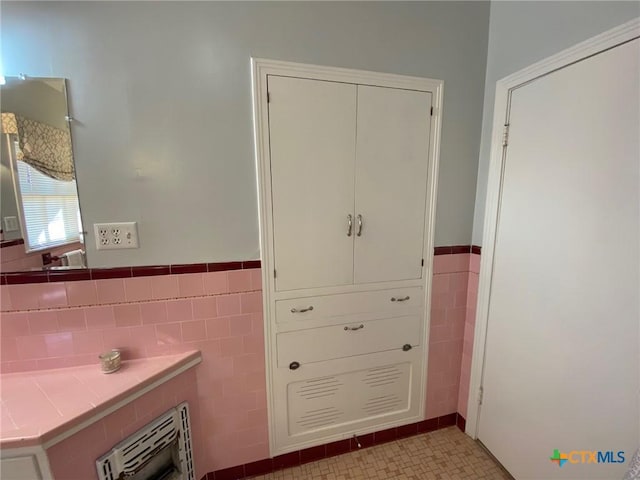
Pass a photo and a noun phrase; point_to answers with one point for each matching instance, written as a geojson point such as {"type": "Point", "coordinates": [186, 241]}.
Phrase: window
{"type": "Point", "coordinates": [50, 209]}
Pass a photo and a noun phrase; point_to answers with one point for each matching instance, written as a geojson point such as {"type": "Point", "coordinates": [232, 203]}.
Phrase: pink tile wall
{"type": "Point", "coordinates": [69, 323]}
{"type": "Point", "coordinates": [61, 324]}
{"type": "Point", "coordinates": [469, 327]}
{"type": "Point", "coordinates": [74, 457]}
{"type": "Point", "coordinates": [219, 313]}
{"type": "Point", "coordinates": [448, 315]}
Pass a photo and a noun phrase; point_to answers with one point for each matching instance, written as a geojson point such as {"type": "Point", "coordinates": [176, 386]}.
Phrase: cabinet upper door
{"type": "Point", "coordinates": [312, 131]}
{"type": "Point", "coordinates": [392, 155]}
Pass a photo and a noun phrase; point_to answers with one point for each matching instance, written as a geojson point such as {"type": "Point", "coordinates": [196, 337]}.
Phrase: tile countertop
{"type": "Point", "coordinates": [43, 407]}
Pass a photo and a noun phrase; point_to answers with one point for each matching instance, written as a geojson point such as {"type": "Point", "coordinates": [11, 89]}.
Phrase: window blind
{"type": "Point", "coordinates": [50, 207]}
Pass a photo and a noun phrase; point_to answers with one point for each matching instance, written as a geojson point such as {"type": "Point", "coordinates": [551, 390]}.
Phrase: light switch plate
{"type": "Point", "coordinates": [11, 224]}
{"type": "Point", "coordinates": [116, 235]}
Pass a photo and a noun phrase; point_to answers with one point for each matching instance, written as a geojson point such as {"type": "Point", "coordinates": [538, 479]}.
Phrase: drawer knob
{"type": "Point", "coordinates": [294, 366]}
{"type": "Point", "coordinates": [406, 347]}
{"type": "Point", "coordinates": [302, 310]}
{"type": "Point", "coordinates": [403, 299]}
{"type": "Point", "coordinates": [351, 329]}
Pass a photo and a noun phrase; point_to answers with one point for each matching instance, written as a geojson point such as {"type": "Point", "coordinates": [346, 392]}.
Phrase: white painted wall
{"type": "Point", "coordinates": [522, 33]}
{"type": "Point", "coordinates": [161, 94]}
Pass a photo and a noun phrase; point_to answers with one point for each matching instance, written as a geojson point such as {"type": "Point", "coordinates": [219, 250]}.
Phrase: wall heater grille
{"type": "Point", "coordinates": [160, 450]}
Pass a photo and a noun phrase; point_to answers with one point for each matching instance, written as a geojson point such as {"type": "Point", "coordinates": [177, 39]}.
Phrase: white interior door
{"type": "Point", "coordinates": [562, 363]}
{"type": "Point", "coordinates": [391, 182]}
{"type": "Point", "coordinates": [312, 128]}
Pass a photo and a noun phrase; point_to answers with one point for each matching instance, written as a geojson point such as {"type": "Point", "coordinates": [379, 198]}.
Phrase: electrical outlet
{"type": "Point", "coordinates": [111, 236]}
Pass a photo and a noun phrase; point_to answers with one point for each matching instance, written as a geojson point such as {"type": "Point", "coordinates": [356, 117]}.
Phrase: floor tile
{"type": "Point", "coordinates": [440, 455]}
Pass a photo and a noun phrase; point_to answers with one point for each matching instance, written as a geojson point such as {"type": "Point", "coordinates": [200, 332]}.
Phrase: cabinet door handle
{"type": "Point", "coordinates": [302, 310]}
{"type": "Point", "coordinates": [403, 299]}
{"type": "Point", "coordinates": [359, 217]}
{"type": "Point", "coordinates": [349, 225]}
{"type": "Point", "coordinates": [352, 329]}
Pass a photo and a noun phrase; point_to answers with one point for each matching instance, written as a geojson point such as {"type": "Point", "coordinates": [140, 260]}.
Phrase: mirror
{"type": "Point", "coordinates": [39, 208]}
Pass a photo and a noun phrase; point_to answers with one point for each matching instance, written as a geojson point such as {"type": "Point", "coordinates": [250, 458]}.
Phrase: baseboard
{"type": "Point", "coordinates": [293, 459]}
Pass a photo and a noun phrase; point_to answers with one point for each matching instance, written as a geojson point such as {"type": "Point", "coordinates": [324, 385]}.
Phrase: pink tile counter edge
{"type": "Point", "coordinates": [46, 406]}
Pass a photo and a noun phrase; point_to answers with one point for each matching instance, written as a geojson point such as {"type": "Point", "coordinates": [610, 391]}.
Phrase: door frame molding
{"type": "Point", "coordinates": [504, 87]}
{"type": "Point", "coordinates": [260, 69]}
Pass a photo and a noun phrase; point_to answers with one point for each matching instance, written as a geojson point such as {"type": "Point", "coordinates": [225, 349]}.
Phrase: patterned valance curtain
{"type": "Point", "coordinates": [9, 124]}
{"type": "Point", "coordinates": [45, 148]}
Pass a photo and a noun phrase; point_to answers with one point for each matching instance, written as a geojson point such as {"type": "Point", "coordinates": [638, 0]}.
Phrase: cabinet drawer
{"type": "Point", "coordinates": [345, 340]}
{"type": "Point", "coordinates": [397, 300]}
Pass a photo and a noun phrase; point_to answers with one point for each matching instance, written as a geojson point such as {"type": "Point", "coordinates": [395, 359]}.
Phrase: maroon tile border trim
{"type": "Point", "coordinates": [189, 268]}
{"type": "Point", "coordinates": [77, 274]}
{"type": "Point", "coordinates": [105, 273]}
{"type": "Point", "coordinates": [293, 459]}
{"type": "Point", "coordinates": [73, 274]}
{"type": "Point", "coordinates": [251, 264]}
{"type": "Point", "coordinates": [24, 277]}
{"type": "Point", "coordinates": [454, 249]}
{"type": "Point", "coordinates": [218, 267]}
{"type": "Point", "coordinates": [461, 423]}
{"type": "Point", "coordinates": [11, 243]}
{"type": "Point", "coordinates": [69, 275]}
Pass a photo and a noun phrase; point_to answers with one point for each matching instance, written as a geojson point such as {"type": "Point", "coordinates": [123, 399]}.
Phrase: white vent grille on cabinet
{"type": "Point", "coordinates": [383, 404]}
{"type": "Point", "coordinates": [321, 387]}
{"type": "Point", "coordinates": [320, 417]}
{"type": "Point", "coordinates": [327, 402]}
{"type": "Point", "coordinates": [377, 377]}
{"type": "Point", "coordinates": [315, 404]}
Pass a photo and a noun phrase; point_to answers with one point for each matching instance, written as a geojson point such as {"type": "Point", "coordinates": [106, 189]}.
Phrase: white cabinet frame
{"type": "Point", "coordinates": [261, 68]}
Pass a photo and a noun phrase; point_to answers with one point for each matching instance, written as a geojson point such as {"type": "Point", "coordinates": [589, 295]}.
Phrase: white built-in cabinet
{"type": "Point", "coordinates": [348, 179]}
{"type": "Point", "coordinates": [346, 171]}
